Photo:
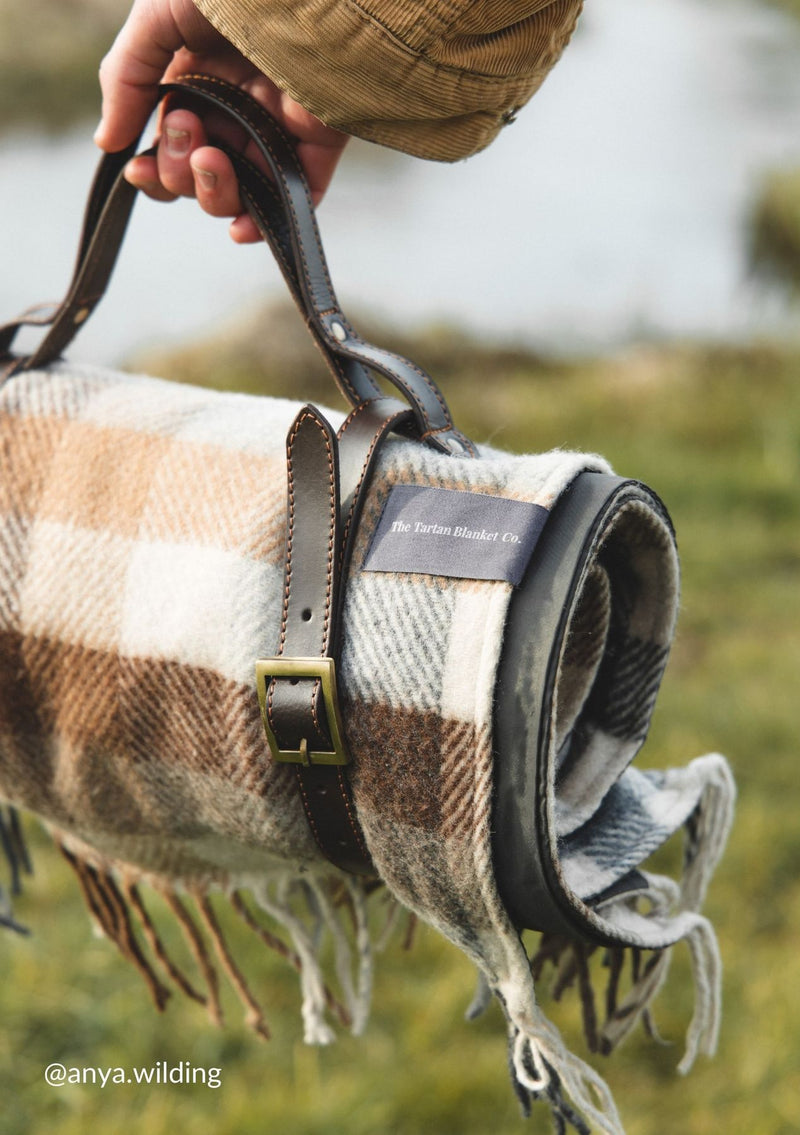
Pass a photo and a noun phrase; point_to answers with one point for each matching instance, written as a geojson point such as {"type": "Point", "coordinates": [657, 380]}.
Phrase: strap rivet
{"type": "Point", "coordinates": [338, 330]}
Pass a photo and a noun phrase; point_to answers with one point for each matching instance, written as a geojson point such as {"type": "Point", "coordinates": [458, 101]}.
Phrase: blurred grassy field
{"type": "Point", "coordinates": [715, 431]}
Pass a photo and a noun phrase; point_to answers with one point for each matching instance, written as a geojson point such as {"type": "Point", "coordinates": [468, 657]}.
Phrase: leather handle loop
{"type": "Point", "coordinates": [319, 302]}
{"type": "Point", "coordinates": [108, 212]}
{"type": "Point", "coordinates": [284, 214]}
{"type": "Point", "coordinates": [107, 197]}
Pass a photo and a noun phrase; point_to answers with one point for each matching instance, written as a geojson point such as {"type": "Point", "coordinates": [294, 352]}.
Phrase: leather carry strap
{"type": "Point", "coordinates": [286, 219]}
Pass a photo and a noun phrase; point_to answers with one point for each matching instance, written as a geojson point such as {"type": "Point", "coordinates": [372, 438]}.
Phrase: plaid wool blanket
{"type": "Point", "coordinates": [141, 572]}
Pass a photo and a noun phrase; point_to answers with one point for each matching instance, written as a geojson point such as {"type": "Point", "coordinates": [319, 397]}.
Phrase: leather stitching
{"type": "Point", "coordinates": [330, 567]}
{"type": "Point", "coordinates": [278, 252]}
{"type": "Point", "coordinates": [287, 565]}
{"type": "Point", "coordinates": [344, 789]}
{"type": "Point", "coordinates": [384, 428]}
{"type": "Point", "coordinates": [244, 112]}
{"type": "Point", "coordinates": [308, 809]}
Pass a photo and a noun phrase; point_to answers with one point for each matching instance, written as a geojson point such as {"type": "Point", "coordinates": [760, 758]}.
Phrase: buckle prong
{"type": "Point", "coordinates": [324, 670]}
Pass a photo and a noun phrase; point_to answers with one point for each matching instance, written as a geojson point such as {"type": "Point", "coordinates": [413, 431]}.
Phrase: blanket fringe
{"type": "Point", "coordinates": [333, 1004]}
{"type": "Point", "coordinates": [112, 916]}
{"type": "Point", "coordinates": [255, 1015]}
{"type": "Point", "coordinates": [307, 909]}
{"type": "Point", "coordinates": [156, 945]}
{"type": "Point", "coordinates": [570, 961]}
{"type": "Point", "coordinates": [708, 828]}
{"type": "Point", "coordinates": [544, 1069]}
{"type": "Point", "coordinates": [315, 908]}
{"type": "Point", "coordinates": [197, 948]}
{"type": "Point", "coordinates": [703, 1033]}
{"type": "Point", "coordinates": [15, 851]}
{"type": "Point", "coordinates": [541, 1067]}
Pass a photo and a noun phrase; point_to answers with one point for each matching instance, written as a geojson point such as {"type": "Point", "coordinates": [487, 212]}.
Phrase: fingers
{"type": "Point", "coordinates": [153, 33]}
{"type": "Point", "coordinates": [130, 73]}
{"type": "Point", "coordinates": [142, 172]}
{"type": "Point", "coordinates": [185, 166]}
{"type": "Point", "coordinates": [215, 183]}
{"type": "Point", "coordinates": [181, 134]}
{"type": "Point", "coordinates": [243, 230]}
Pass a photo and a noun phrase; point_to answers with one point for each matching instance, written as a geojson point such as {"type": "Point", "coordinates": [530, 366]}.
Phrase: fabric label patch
{"type": "Point", "coordinates": [457, 534]}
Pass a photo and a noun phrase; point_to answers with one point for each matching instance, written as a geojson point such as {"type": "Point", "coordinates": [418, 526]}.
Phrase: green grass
{"type": "Point", "coordinates": [715, 431]}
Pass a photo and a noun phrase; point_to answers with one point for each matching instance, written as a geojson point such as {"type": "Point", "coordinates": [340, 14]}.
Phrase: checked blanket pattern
{"type": "Point", "coordinates": [141, 571]}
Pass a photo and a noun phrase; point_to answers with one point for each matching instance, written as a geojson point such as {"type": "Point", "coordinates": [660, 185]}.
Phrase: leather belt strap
{"type": "Point", "coordinates": [326, 479]}
{"type": "Point", "coordinates": [302, 722]}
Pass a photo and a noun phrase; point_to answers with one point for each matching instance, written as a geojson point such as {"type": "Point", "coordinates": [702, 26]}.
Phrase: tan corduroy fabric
{"type": "Point", "coordinates": [436, 78]}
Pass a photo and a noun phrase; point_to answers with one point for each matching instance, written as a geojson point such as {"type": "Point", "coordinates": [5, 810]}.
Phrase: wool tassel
{"type": "Point", "coordinates": [110, 911]}
{"type": "Point", "coordinates": [707, 828]}
{"type": "Point", "coordinates": [543, 1067]}
{"type": "Point", "coordinates": [255, 1015]}
{"type": "Point", "coordinates": [703, 1032]}
{"type": "Point", "coordinates": [197, 946]}
{"type": "Point", "coordinates": [343, 959]}
{"type": "Point", "coordinates": [157, 946]}
{"type": "Point", "coordinates": [481, 998]}
{"type": "Point", "coordinates": [12, 844]}
{"type": "Point", "coordinates": [274, 943]}
{"type": "Point", "coordinates": [365, 958]}
{"type": "Point", "coordinates": [316, 1029]}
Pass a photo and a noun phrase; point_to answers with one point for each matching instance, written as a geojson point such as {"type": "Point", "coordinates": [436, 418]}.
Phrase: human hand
{"type": "Point", "coordinates": [160, 40]}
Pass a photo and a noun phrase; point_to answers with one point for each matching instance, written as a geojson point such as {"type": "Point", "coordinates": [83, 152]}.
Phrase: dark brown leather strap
{"type": "Point", "coordinates": [104, 185]}
{"type": "Point", "coordinates": [106, 219]}
{"type": "Point", "coordinates": [286, 218]}
{"type": "Point", "coordinates": [319, 299]}
{"type": "Point", "coordinates": [326, 478]}
{"type": "Point", "coordinates": [311, 580]}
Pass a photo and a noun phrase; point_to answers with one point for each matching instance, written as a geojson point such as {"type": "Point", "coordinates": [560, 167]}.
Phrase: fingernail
{"type": "Point", "coordinates": [178, 141]}
{"type": "Point", "coordinates": [206, 178]}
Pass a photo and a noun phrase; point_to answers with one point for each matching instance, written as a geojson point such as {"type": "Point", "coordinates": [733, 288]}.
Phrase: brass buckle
{"type": "Point", "coordinates": [325, 671]}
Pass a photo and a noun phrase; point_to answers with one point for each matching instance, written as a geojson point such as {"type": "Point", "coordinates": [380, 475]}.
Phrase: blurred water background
{"type": "Point", "coordinates": [616, 207]}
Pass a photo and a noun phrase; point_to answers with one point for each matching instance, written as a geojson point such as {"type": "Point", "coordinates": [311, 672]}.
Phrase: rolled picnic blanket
{"type": "Point", "coordinates": [141, 576]}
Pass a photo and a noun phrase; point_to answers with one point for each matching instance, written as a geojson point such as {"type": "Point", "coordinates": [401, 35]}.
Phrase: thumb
{"type": "Point", "coordinates": [132, 70]}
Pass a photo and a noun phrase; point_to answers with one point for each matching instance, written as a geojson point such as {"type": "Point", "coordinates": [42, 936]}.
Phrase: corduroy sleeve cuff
{"type": "Point", "coordinates": [437, 78]}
